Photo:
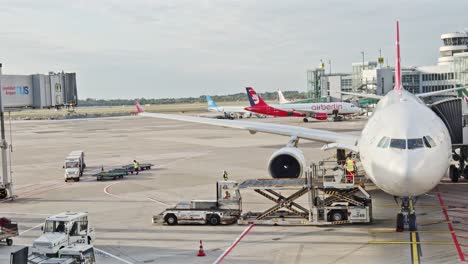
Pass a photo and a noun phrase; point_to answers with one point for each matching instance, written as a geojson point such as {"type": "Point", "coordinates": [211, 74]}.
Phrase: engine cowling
{"type": "Point", "coordinates": [321, 116]}
{"type": "Point", "coordinates": [288, 162]}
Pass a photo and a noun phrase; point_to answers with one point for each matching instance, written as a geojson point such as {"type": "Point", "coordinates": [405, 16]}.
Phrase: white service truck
{"type": "Point", "coordinates": [73, 254]}
{"type": "Point", "coordinates": [74, 165]}
{"type": "Point", "coordinates": [62, 230]}
{"type": "Point", "coordinates": [81, 253]}
{"type": "Point", "coordinates": [226, 209]}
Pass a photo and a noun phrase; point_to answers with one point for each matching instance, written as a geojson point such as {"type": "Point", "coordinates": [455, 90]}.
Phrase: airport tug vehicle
{"type": "Point", "coordinates": [62, 230]}
{"type": "Point", "coordinates": [325, 196]}
{"type": "Point", "coordinates": [225, 209]}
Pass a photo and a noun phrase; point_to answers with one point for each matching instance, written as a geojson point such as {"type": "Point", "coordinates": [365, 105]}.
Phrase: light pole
{"type": "Point", "coordinates": [4, 146]}
{"type": "Point", "coordinates": [329, 64]}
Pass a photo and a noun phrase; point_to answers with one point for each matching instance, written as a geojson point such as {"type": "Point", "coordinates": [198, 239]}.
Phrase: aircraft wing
{"type": "Point", "coordinates": [441, 91]}
{"type": "Point", "coordinates": [344, 140]}
{"type": "Point", "coordinates": [372, 96]}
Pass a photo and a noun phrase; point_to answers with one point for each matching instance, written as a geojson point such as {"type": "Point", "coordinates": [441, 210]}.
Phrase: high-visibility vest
{"type": "Point", "coordinates": [136, 165]}
{"type": "Point", "coordinates": [349, 165]}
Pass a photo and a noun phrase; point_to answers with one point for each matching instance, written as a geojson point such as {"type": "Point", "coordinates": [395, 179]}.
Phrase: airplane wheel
{"type": "Point", "coordinates": [400, 223]}
{"type": "Point", "coordinates": [305, 120]}
{"type": "Point", "coordinates": [412, 222]}
{"type": "Point", "coordinates": [454, 173]}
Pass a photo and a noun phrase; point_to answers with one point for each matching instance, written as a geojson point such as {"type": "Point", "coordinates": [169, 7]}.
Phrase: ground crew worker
{"type": "Point", "coordinates": [136, 166]}
{"type": "Point", "coordinates": [227, 196]}
{"type": "Point", "coordinates": [350, 168]}
{"type": "Point", "coordinates": [225, 175]}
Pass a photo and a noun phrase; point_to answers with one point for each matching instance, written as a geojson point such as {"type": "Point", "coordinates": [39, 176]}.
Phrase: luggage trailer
{"type": "Point", "coordinates": [330, 200]}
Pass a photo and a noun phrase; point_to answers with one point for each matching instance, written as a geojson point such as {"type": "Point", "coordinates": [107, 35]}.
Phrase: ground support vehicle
{"type": "Point", "coordinates": [143, 166]}
{"type": "Point", "coordinates": [8, 229]}
{"type": "Point", "coordinates": [111, 175]}
{"type": "Point", "coordinates": [224, 210]}
{"type": "Point", "coordinates": [73, 254]}
{"type": "Point", "coordinates": [323, 197]}
{"type": "Point", "coordinates": [74, 165]}
{"type": "Point", "coordinates": [62, 230]}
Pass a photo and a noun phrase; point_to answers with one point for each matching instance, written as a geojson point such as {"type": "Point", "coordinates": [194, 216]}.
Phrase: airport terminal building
{"type": "Point", "coordinates": [39, 90]}
{"type": "Point", "coordinates": [450, 71]}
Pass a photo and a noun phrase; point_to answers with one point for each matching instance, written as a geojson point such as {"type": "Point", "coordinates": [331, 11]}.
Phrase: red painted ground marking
{"type": "Point", "coordinates": [454, 237]}
{"type": "Point", "coordinates": [220, 258]}
{"type": "Point", "coordinates": [459, 229]}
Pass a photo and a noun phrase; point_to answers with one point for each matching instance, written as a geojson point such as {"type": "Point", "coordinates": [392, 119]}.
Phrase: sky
{"type": "Point", "coordinates": [181, 48]}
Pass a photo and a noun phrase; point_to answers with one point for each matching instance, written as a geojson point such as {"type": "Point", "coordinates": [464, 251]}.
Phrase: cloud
{"type": "Point", "coordinates": [181, 47]}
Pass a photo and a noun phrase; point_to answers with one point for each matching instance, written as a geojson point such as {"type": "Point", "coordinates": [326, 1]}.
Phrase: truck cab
{"type": "Point", "coordinates": [81, 253]}
{"type": "Point", "coordinates": [62, 230]}
{"type": "Point", "coordinates": [74, 165]}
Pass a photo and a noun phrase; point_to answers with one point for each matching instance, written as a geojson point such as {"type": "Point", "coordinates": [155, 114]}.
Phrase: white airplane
{"type": "Point", "coordinates": [405, 148]}
{"type": "Point", "coordinates": [231, 112]}
{"type": "Point", "coordinates": [282, 100]}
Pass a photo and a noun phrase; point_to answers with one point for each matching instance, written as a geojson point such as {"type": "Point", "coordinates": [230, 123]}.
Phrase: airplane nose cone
{"type": "Point", "coordinates": [410, 173]}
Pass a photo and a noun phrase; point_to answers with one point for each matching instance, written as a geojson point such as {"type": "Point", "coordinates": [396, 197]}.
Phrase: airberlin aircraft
{"type": "Point", "coordinates": [319, 111]}
{"type": "Point", "coordinates": [405, 148]}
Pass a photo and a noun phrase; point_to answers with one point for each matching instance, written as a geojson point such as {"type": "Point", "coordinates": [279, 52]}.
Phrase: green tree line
{"type": "Point", "coordinates": [290, 95]}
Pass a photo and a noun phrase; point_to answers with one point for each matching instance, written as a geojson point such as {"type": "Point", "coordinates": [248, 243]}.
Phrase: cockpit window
{"type": "Point", "coordinates": [384, 142]}
{"type": "Point", "coordinates": [398, 143]}
{"type": "Point", "coordinates": [414, 143]}
{"type": "Point", "coordinates": [429, 142]}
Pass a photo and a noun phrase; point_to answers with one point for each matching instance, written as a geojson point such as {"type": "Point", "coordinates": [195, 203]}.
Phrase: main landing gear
{"type": "Point", "coordinates": [407, 216]}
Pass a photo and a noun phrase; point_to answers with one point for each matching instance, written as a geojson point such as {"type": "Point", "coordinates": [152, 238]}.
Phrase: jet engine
{"type": "Point", "coordinates": [288, 162]}
{"type": "Point", "coordinates": [321, 116]}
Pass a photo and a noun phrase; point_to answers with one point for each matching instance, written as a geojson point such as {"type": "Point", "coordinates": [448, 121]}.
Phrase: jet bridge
{"type": "Point", "coordinates": [323, 197]}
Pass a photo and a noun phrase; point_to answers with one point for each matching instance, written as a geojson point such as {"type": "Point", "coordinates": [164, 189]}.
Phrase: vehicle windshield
{"type": "Point", "coordinates": [398, 143]}
{"type": "Point", "coordinates": [414, 143]}
{"type": "Point", "coordinates": [54, 226]}
{"type": "Point", "coordinates": [73, 164]}
{"type": "Point", "coordinates": [411, 143]}
{"type": "Point", "coordinates": [429, 142]}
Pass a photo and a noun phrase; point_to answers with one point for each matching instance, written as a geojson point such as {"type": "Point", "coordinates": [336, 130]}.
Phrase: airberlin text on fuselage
{"type": "Point", "coordinates": [327, 107]}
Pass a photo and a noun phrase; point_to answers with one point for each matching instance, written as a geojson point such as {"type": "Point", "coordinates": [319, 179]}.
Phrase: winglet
{"type": "Point", "coordinates": [398, 87]}
{"type": "Point", "coordinates": [138, 107]}
{"type": "Point", "coordinates": [254, 98]}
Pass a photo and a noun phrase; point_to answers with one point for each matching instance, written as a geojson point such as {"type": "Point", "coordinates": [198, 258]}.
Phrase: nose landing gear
{"type": "Point", "coordinates": [407, 215]}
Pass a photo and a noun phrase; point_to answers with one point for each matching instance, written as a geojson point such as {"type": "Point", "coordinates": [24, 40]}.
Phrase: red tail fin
{"type": "Point", "coordinates": [398, 87]}
{"type": "Point", "coordinates": [254, 98]}
{"type": "Point", "coordinates": [138, 107]}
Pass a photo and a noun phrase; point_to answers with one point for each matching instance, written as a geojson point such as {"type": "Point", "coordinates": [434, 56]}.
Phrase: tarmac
{"type": "Point", "coordinates": [189, 159]}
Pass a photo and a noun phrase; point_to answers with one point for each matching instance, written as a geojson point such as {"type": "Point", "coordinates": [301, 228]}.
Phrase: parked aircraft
{"type": "Point", "coordinates": [230, 112]}
{"type": "Point", "coordinates": [405, 148]}
{"type": "Point", "coordinates": [319, 111]}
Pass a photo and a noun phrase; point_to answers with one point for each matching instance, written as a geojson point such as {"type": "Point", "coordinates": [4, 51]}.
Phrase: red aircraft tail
{"type": "Point", "coordinates": [398, 87]}
{"type": "Point", "coordinates": [138, 107]}
{"type": "Point", "coordinates": [254, 98]}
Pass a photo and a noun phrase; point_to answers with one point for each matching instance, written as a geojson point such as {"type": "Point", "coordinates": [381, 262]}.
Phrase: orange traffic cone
{"type": "Point", "coordinates": [201, 253]}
